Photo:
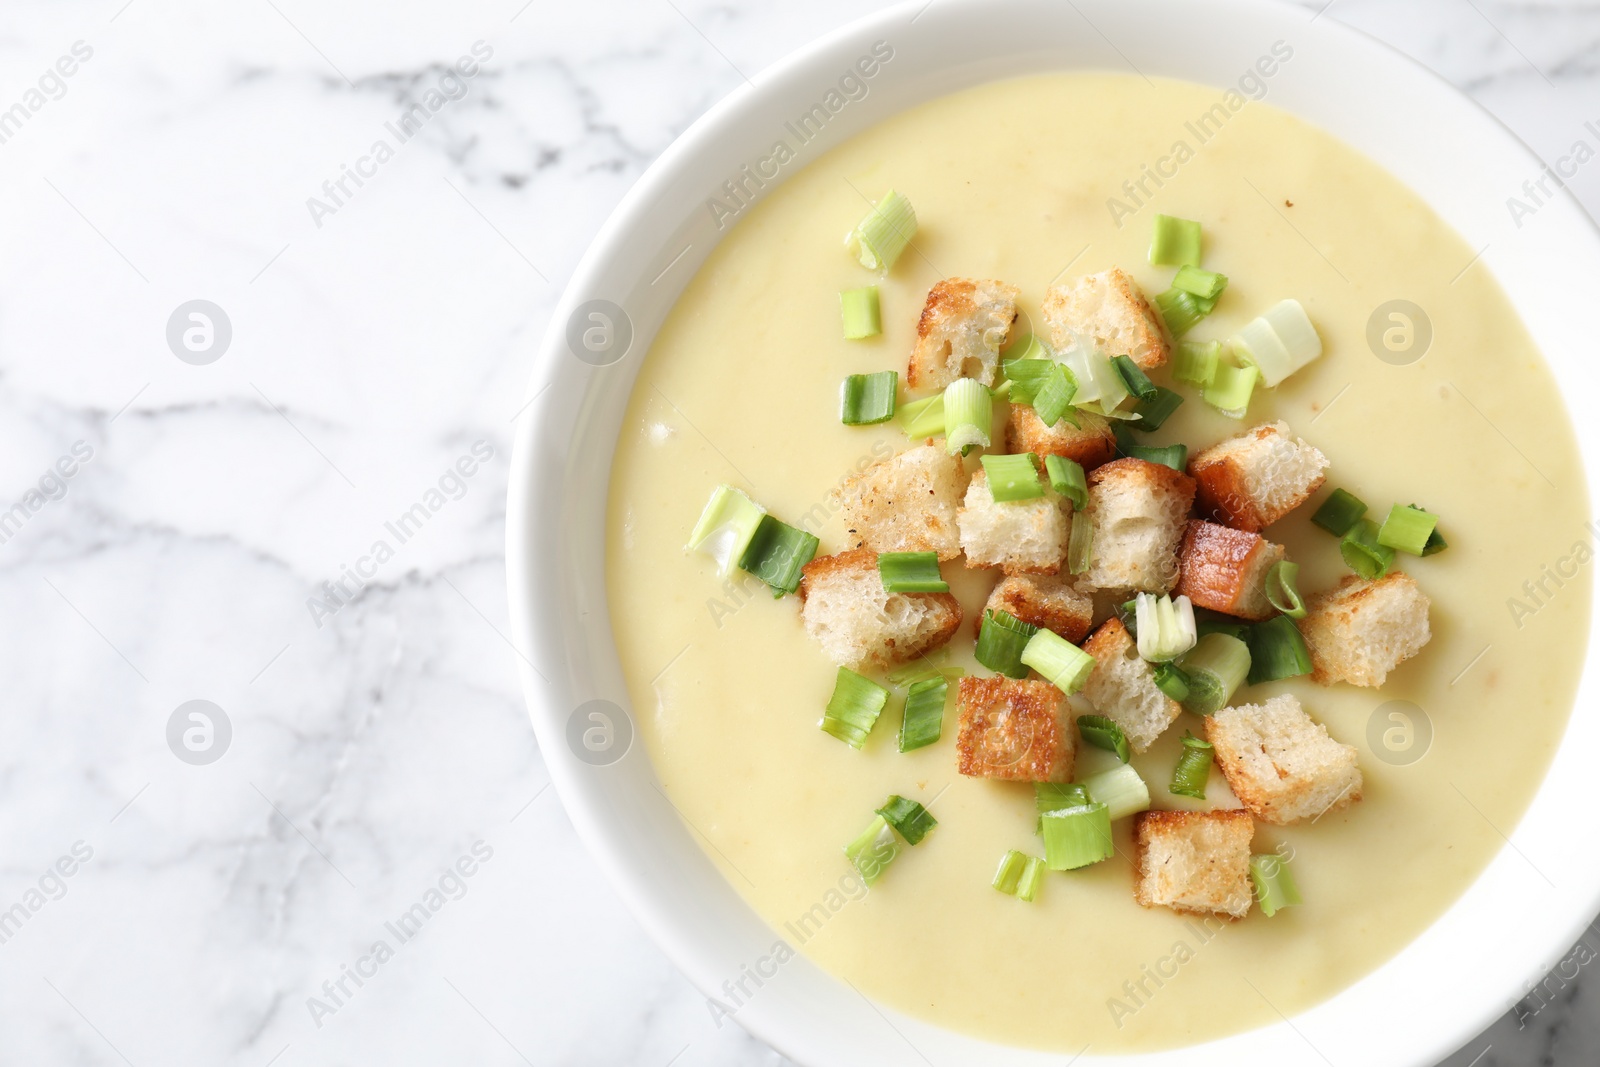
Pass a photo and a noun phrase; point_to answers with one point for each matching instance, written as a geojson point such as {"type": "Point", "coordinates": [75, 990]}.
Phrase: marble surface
{"type": "Point", "coordinates": [376, 754]}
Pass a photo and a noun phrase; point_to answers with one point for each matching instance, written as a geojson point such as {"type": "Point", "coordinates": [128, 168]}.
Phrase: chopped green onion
{"type": "Point", "coordinates": [1281, 591]}
{"type": "Point", "coordinates": [1205, 284]}
{"type": "Point", "coordinates": [1175, 242]}
{"type": "Point", "coordinates": [878, 239]}
{"type": "Point", "coordinates": [1076, 837]}
{"type": "Point", "coordinates": [1029, 347]}
{"type": "Point", "coordinates": [1196, 362]}
{"type": "Point", "coordinates": [859, 310]}
{"type": "Point", "coordinates": [1181, 310]}
{"type": "Point", "coordinates": [910, 820]}
{"type": "Point", "coordinates": [1101, 732]}
{"type": "Point", "coordinates": [1053, 796]}
{"type": "Point", "coordinates": [1174, 456]}
{"type": "Point", "coordinates": [1001, 641]}
{"type": "Point", "coordinates": [1063, 664]}
{"type": "Point", "coordinates": [1171, 680]}
{"type": "Point", "coordinates": [1019, 875]}
{"type": "Point", "coordinates": [923, 720]}
{"type": "Point", "coordinates": [1275, 888]}
{"type": "Point", "coordinates": [1280, 341]}
{"type": "Point", "coordinates": [1230, 389]}
{"type": "Point", "coordinates": [1120, 789]}
{"type": "Point", "coordinates": [911, 572]}
{"type": "Point", "coordinates": [968, 409]}
{"type": "Point", "coordinates": [1079, 543]}
{"type": "Point", "coordinates": [1339, 512]}
{"type": "Point", "coordinates": [1054, 397]}
{"type": "Point", "coordinates": [1166, 627]}
{"type": "Point", "coordinates": [1216, 666]}
{"type": "Point", "coordinates": [1277, 651]}
{"type": "Point", "coordinates": [1156, 408]}
{"type": "Point", "coordinates": [1027, 377]}
{"type": "Point", "coordinates": [1213, 622]}
{"type": "Point", "coordinates": [1362, 552]}
{"type": "Point", "coordinates": [1098, 381]}
{"type": "Point", "coordinates": [1407, 529]}
{"type": "Point", "coordinates": [868, 398]}
{"type": "Point", "coordinates": [907, 673]}
{"type": "Point", "coordinates": [923, 418]}
{"type": "Point", "coordinates": [1067, 478]}
{"type": "Point", "coordinates": [1189, 777]}
{"type": "Point", "coordinates": [1013, 477]}
{"type": "Point", "coordinates": [777, 554]}
{"type": "Point", "coordinates": [1436, 542]}
{"type": "Point", "coordinates": [1032, 877]}
{"type": "Point", "coordinates": [725, 528]}
{"type": "Point", "coordinates": [1257, 345]}
{"type": "Point", "coordinates": [1137, 381]}
{"type": "Point", "coordinates": [873, 850]}
{"type": "Point", "coordinates": [854, 707]}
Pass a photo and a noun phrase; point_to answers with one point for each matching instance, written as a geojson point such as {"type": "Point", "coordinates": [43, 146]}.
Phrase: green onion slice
{"type": "Point", "coordinates": [1205, 284]}
{"type": "Point", "coordinates": [1120, 789]}
{"type": "Point", "coordinates": [1175, 242]}
{"type": "Point", "coordinates": [777, 554]}
{"type": "Point", "coordinates": [1067, 478]}
{"type": "Point", "coordinates": [1019, 875]}
{"type": "Point", "coordinates": [1217, 665]}
{"type": "Point", "coordinates": [968, 410]}
{"type": "Point", "coordinates": [1166, 627]}
{"type": "Point", "coordinates": [1171, 680]}
{"type": "Point", "coordinates": [1196, 362]}
{"type": "Point", "coordinates": [1181, 310]}
{"type": "Point", "coordinates": [1281, 590]}
{"type": "Point", "coordinates": [1155, 409]}
{"type": "Point", "coordinates": [1101, 732]}
{"type": "Point", "coordinates": [1098, 381]}
{"type": "Point", "coordinates": [1339, 512]}
{"type": "Point", "coordinates": [909, 819]}
{"type": "Point", "coordinates": [1053, 796]}
{"type": "Point", "coordinates": [854, 707]}
{"type": "Point", "coordinates": [1407, 529]}
{"type": "Point", "coordinates": [859, 310]}
{"type": "Point", "coordinates": [1001, 641]}
{"type": "Point", "coordinates": [1189, 777]}
{"type": "Point", "coordinates": [1063, 664]}
{"type": "Point", "coordinates": [1026, 377]}
{"type": "Point", "coordinates": [1213, 622]}
{"type": "Point", "coordinates": [1137, 381]}
{"type": "Point", "coordinates": [1280, 341]}
{"type": "Point", "coordinates": [868, 398]}
{"type": "Point", "coordinates": [1277, 651]}
{"type": "Point", "coordinates": [1436, 543]}
{"type": "Point", "coordinates": [1032, 876]}
{"type": "Point", "coordinates": [907, 673]}
{"type": "Point", "coordinates": [923, 720]}
{"type": "Point", "coordinates": [878, 239]}
{"type": "Point", "coordinates": [911, 572]}
{"type": "Point", "coordinates": [923, 418]}
{"type": "Point", "coordinates": [1275, 888]}
{"type": "Point", "coordinates": [726, 527]}
{"type": "Point", "coordinates": [1053, 401]}
{"type": "Point", "coordinates": [873, 849]}
{"type": "Point", "coordinates": [1230, 389]}
{"type": "Point", "coordinates": [1079, 543]}
{"type": "Point", "coordinates": [1077, 836]}
{"type": "Point", "coordinates": [1362, 552]}
{"type": "Point", "coordinates": [1013, 477]}
{"type": "Point", "coordinates": [1174, 456]}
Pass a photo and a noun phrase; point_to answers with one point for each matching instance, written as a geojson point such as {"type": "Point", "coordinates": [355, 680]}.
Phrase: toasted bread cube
{"type": "Point", "coordinates": [907, 503]}
{"type": "Point", "coordinates": [1013, 730]}
{"type": "Point", "coordinates": [963, 326]}
{"type": "Point", "coordinates": [1280, 764]}
{"type": "Point", "coordinates": [1195, 861]}
{"type": "Point", "coordinates": [1122, 687]}
{"type": "Point", "coordinates": [1090, 443]}
{"type": "Point", "coordinates": [1138, 511]}
{"type": "Point", "coordinates": [1359, 631]}
{"type": "Point", "coordinates": [1226, 569]}
{"type": "Point", "coordinates": [858, 623]}
{"type": "Point", "coordinates": [1019, 536]}
{"type": "Point", "coordinates": [1253, 480]}
{"type": "Point", "coordinates": [1051, 602]}
{"type": "Point", "coordinates": [1110, 309]}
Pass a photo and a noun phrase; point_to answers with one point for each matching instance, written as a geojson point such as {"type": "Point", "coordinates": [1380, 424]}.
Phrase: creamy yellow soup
{"type": "Point", "coordinates": [1024, 181]}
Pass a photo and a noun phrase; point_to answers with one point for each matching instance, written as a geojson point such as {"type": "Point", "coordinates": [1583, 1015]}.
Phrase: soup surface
{"type": "Point", "coordinates": [1012, 180]}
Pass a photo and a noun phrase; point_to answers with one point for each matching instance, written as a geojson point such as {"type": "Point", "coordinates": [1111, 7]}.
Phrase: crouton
{"type": "Point", "coordinates": [1090, 443]}
{"type": "Point", "coordinates": [1226, 569]}
{"type": "Point", "coordinates": [963, 325]}
{"type": "Point", "coordinates": [1359, 631]}
{"type": "Point", "coordinates": [1137, 511]}
{"type": "Point", "coordinates": [1109, 309]}
{"type": "Point", "coordinates": [1194, 861]}
{"type": "Point", "coordinates": [1280, 764]}
{"type": "Point", "coordinates": [1014, 730]}
{"type": "Point", "coordinates": [1253, 480]}
{"type": "Point", "coordinates": [848, 612]}
{"type": "Point", "coordinates": [1122, 687]}
{"type": "Point", "coordinates": [1020, 536]}
{"type": "Point", "coordinates": [1047, 601]}
{"type": "Point", "coordinates": [907, 503]}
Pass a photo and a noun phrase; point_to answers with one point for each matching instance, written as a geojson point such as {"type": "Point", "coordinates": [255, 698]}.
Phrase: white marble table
{"type": "Point", "coordinates": [377, 751]}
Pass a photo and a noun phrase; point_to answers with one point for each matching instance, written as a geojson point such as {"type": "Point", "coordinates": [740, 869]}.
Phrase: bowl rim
{"type": "Point", "coordinates": [564, 624]}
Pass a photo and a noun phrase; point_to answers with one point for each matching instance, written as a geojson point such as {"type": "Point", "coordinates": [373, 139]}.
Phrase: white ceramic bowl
{"type": "Point", "coordinates": [1515, 922]}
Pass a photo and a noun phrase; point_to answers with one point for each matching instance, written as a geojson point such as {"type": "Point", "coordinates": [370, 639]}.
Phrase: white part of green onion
{"type": "Point", "coordinates": [1278, 342]}
{"type": "Point", "coordinates": [725, 528]}
{"type": "Point", "coordinates": [873, 849]}
{"type": "Point", "coordinates": [878, 239]}
{"type": "Point", "coordinates": [1063, 664]}
{"type": "Point", "coordinates": [1275, 887]}
{"type": "Point", "coordinates": [1120, 789]}
{"type": "Point", "coordinates": [1166, 627]}
{"type": "Point", "coordinates": [968, 413]}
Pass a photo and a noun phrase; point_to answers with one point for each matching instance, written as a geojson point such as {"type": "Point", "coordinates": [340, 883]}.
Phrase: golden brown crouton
{"type": "Point", "coordinates": [1280, 764]}
{"type": "Point", "coordinates": [1253, 480]}
{"type": "Point", "coordinates": [1359, 631]}
{"type": "Point", "coordinates": [1226, 569]}
{"type": "Point", "coordinates": [1018, 731]}
{"type": "Point", "coordinates": [1090, 443]}
{"type": "Point", "coordinates": [907, 503]}
{"type": "Point", "coordinates": [1110, 310]}
{"type": "Point", "coordinates": [1019, 536]}
{"type": "Point", "coordinates": [1122, 686]}
{"type": "Point", "coordinates": [1047, 601]}
{"type": "Point", "coordinates": [1138, 510]}
{"type": "Point", "coordinates": [858, 623]}
{"type": "Point", "coordinates": [1194, 861]}
{"type": "Point", "coordinates": [963, 326]}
